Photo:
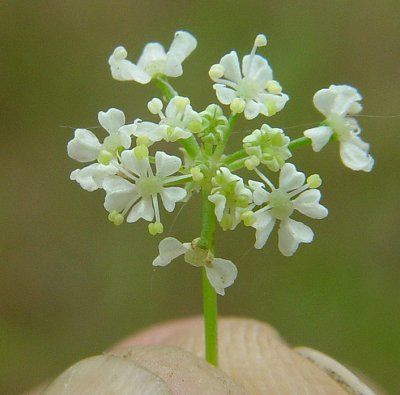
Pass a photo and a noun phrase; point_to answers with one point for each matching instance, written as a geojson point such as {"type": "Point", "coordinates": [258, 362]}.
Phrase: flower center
{"type": "Point", "coordinates": [282, 206]}
{"type": "Point", "coordinates": [340, 125]}
{"type": "Point", "coordinates": [155, 67]}
{"type": "Point", "coordinates": [247, 88]}
{"type": "Point", "coordinates": [148, 186]}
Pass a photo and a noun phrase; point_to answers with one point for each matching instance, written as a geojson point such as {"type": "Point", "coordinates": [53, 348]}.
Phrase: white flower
{"type": "Point", "coordinates": [86, 147]}
{"type": "Point", "coordinates": [336, 103]}
{"type": "Point", "coordinates": [280, 205]}
{"type": "Point", "coordinates": [255, 86]}
{"type": "Point", "coordinates": [177, 123]}
{"type": "Point", "coordinates": [134, 191]}
{"type": "Point", "coordinates": [230, 197]}
{"type": "Point", "coordinates": [220, 272]}
{"type": "Point", "coordinates": [154, 60]}
{"type": "Point", "coordinates": [269, 146]}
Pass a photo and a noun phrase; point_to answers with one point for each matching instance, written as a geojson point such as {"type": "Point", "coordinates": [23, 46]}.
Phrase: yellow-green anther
{"type": "Point", "coordinates": [195, 126]}
{"type": "Point", "coordinates": [271, 106]}
{"type": "Point", "coordinates": [155, 228]}
{"type": "Point", "coordinates": [314, 181]}
{"type": "Point", "coordinates": [274, 87]}
{"type": "Point", "coordinates": [238, 105]}
{"type": "Point", "coordinates": [248, 218]}
{"type": "Point", "coordinates": [105, 157]}
{"type": "Point", "coordinates": [226, 222]}
{"type": "Point", "coordinates": [143, 140]}
{"type": "Point", "coordinates": [141, 152]}
{"type": "Point", "coordinates": [116, 218]}
{"type": "Point", "coordinates": [197, 174]}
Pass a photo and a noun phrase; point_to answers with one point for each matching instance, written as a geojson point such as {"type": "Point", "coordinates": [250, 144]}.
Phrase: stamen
{"type": "Point", "coordinates": [260, 41]}
{"type": "Point", "coordinates": [130, 204]}
{"type": "Point", "coordinates": [156, 208]}
{"type": "Point", "coordinates": [265, 179]}
{"type": "Point", "coordinates": [298, 190]}
{"type": "Point", "coordinates": [125, 172]}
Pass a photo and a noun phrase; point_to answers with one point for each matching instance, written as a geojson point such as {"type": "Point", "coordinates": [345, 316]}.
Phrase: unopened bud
{"type": "Point", "coordinates": [271, 107]}
{"type": "Point", "coordinates": [181, 103]}
{"type": "Point", "coordinates": [143, 140]}
{"type": "Point", "coordinates": [252, 163]}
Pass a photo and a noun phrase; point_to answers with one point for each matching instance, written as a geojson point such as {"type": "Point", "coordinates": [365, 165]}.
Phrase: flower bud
{"type": "Point", "coordinates": [252, 163]}
{"type": "Point", "coordinates": [143, 140]}
{"type": "Point", "coordinates": [197, 175]}
{"type": "Point", "coordinates": [181, 103]}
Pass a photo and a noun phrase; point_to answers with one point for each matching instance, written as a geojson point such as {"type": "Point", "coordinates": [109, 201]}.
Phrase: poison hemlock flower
{"type": "Point", "coordinates": [336, 103]}
{"type": "Point", "coordinates": [178, 122]}
{"type": "Point", "coordinates": [230, 197]}
{"type": "Point", "coordinates": [86, 147]}
{"type": "Point", "coordinates": [280, 203]}
{"type": "Point", "coordinates": [139, 180]}
{"type": "Point", "coordinates": [220, 272]}
{"type": "Point", "coordinates": [134, 192]}
{"type": "Point", "coordinates": [154, 61]}
{"type": "Point", "coordinates": [252, 85]}
{"type": "Point", "coordinates": [268, 146]}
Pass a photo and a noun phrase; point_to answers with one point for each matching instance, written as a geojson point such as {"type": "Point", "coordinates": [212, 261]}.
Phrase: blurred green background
{"type": "Point", "coordinates": [71, 284]}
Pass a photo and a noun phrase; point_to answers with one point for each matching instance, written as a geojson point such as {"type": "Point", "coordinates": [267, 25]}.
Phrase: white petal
{"type": "Point", "coordinates": [171, 195]}
{"type": "Point", "coordinates": [278, 100]}
{"type": "Point", "coordinates": [221, 274]}
{"type": "Point", "coordinates": [336, 100]}
{"type": "Point", "coordinates": [124, 135]}
{"type": "Point", "coordinates": [308, 204]}
{"type": "Point", "coordinates": [252, 109]}
{"type": "Point", "coordinates": [151, 130]}
{"type": "Point", "coordinates": [354, 154]}
{"type": "Point", "coordinates": [230, 63]}
{"type": "Point", "coordinates": [182, 45]}
{"type": "Point", "coordinates": [169, 249]}
{"type": "Point", "coordinates": [225, 95]}
{"type": "Point", "coordinates": [137, 166]}
{"type": "Point", "coordinates": [120, 193]}
{"type": "Point", "coordinates": [219, 202]}
{"type": "Point", "coordinates": [171, 110]}
{"type": "Point", "coordinates": [291, 233]}
{"type": "Point", "coordinates": [142, 209]}
{"type": "Point", "coordinates": [263, 225]}
{"type": "Point", "coordinates": [151, 52]}
{"type": "Point", "coordinates": [177, 134]}
{"type": "Point", "coordinates": [84, 147]}
{"type": "Point", "coordinates": [319, 136]}
{"type": "Point", "coordinates": [91, 177]}
{"type": "Point", "coordinates": [166, 164]}
{"type": "Point", "coordinates": [124, 70]}
{"type": "Point", "coordinates": [260, 195]}
{"type": "Point", "coordinates": [260, 70]}
{"type": "Point", "coordinates": [111, 120]}
{"type": "Point", "coordinates": [290, 178]}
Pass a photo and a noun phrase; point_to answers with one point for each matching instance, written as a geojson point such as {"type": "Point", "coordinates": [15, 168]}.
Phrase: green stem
{"type": "Point", "coordinates": [210, 309]}
{"type": "Point", "coordinates": [231, 123]}
{"type": "Point", "coordinates": [235, 156]}
{"type": "Point", "coordinates": [299, 142]}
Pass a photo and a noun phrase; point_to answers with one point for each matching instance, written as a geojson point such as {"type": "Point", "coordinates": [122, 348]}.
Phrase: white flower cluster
{"type": "Point", "coordinates": [138, 179]}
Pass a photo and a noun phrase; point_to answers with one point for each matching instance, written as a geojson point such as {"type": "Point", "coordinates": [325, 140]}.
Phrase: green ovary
{"type": "Point", "coordinates": [247, 88]}
{"type": "Point", "coordinates": [282, 206]}
{"type": "Point", "coordinates": [149, 186]}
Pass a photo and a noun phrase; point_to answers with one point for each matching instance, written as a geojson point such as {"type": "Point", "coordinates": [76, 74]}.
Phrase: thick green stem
{"type": "Point", "coordinates": [210, 309]}
{"type": "Point", "coordinates": [231, 123]}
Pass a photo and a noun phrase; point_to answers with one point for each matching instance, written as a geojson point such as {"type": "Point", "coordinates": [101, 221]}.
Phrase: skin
{"type": "Point", "coordinates": [168, 359]}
